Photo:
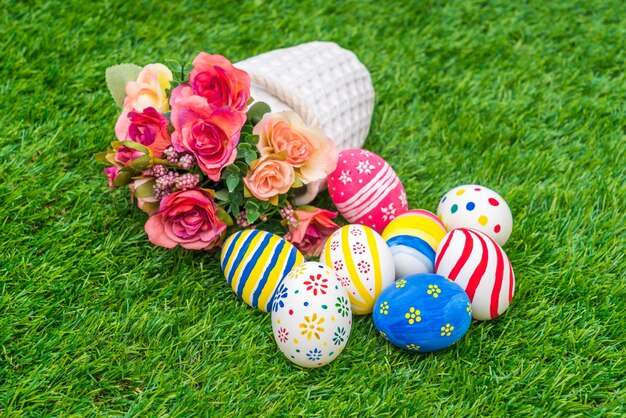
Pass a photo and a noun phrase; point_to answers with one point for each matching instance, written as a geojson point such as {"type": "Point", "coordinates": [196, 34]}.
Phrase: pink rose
{"type": "Point", "coordinates": [181, 91]}
{"type": "Point", "coordinates": [314, 227]}
{"type": "Point", "coordinates": [215, 79]}
{"type": "Point", "coordinates": [187, 218]}
{"type": "Point", "coordinates": [149, 90]}
{"type": "Point", "coordinates": [307, 148]}
{"type": "Point", "coordinates": [125, 155]}
{"type": "Point", "coordinates": [209, 133]}
{"type": "Point", "coordinates": [111, 173]}
{"type": "Point", "coordinates": [149, 128]}
{"type": "Point", "coordinates": [268, 178]}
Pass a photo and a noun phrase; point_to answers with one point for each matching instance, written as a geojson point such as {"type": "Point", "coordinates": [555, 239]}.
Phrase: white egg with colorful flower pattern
{"type": "Point", "coordinates": [311, 315]}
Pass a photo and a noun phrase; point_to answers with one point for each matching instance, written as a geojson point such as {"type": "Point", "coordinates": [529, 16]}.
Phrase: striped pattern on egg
{"type": "Point", "coordinates": [254, 262]}
{"type": "Point", "coordinates": [481, 267]}
{"type": "Point", "coordinates": [413, 238]}
{"type": "Point", "coordinates": [363, 263]}
{"type": "Point", "coordinates": [366, 190]}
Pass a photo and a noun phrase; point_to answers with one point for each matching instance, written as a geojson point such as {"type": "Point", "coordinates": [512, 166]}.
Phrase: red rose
{"type": "Point", "coordinates": [314, 227]}
{"type": "Point", "coordinates": [215, 79]}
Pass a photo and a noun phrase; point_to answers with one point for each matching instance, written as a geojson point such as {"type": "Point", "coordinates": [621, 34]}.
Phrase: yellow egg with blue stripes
{"type": "Point", "coordinates": [413, 238]}
{"type": "Point", "coordinates": [254, 263]}
{"type": "Point", "coordinates": [363, 263]}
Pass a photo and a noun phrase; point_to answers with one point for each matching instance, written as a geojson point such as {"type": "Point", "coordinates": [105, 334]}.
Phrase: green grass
{"type": "Point", "coordinates": [528, 99]}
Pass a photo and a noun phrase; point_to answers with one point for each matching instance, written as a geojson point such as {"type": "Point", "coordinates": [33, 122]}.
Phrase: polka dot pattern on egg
{"type": "Point", "coordinates": [476, 207]}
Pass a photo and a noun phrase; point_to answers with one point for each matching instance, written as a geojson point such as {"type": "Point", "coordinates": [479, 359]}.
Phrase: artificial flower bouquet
{"type": "Point", "coordinates": [202, 159]}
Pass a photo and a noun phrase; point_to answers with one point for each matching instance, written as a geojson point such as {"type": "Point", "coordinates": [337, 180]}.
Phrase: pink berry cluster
{"type": "Point", "coordinates": [184, 161]}
{"type": "Point", "coordinates": [242, 220]}
{"type": "Point", "coordinates": [289, 215]}
{"type": "Point", "coordinates": [166, 181]}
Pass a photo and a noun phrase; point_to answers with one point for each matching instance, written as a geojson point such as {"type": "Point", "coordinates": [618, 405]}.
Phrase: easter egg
{"type": "Point", "coordinates": [311, 315]}
{"type": "Point", "coordinates": [366, 190]}
{"type": "Point", "coordinates": [481, 267]}
{"type": "Point", "coordinates": [423, 313]}
{"type": "Point", "coordinates": [476, 207]}
{"type": "Point", "coordinates": [413, 238]}
{"type": "Point", "coordinates": [363, 263]}
{"type": "Point", "coordinates": [254, 262]}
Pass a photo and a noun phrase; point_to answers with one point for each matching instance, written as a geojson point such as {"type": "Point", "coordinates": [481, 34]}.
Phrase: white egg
{"type": "Point", "coordinates": [311, 315]}
{"type": "Point", "coordinates": [476, 207]}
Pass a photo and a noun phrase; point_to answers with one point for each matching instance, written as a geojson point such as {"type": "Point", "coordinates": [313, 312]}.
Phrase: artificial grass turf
{"type": "Point", "coordinates": [527, 99]}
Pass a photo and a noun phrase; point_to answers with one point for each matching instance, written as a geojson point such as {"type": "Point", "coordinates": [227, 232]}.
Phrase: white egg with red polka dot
{"type": "Point", "coordinates": [476, 207]}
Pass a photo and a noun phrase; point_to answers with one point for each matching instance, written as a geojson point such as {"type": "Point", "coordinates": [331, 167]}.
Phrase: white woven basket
{"type": "Point", "coordinates": [325, 84]}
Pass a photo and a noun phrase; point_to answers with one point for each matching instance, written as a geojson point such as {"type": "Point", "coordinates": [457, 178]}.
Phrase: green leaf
{"type": "Point", "coordinates": [252, 204]}
{"type": "Point", "coordinates": [231, 182]}
{"type": "Point", "coordinates": [117, 77]}
{"type": "Point", "coordinates": [145, 190]}
{"type": "Point", "coordinates": [252, 139]}
{"type": "Point", "coordinates": [234, 209]}
{"type": "Point", "coordinates": [141, 163]}
{"type": "Point", "coordinates": [297, 183]}
{"type": "Point", "coordinates": [222, 195]}
{"type": "Point", "coordinates": [252, 215]}
{"type": "Point", "coordinates": [246, 130]}
{"type": "Point", "coordinates": [256, 112]}
{"type": "Point", "coordinates": [244, 146]}
{"type": "Point", "coordinates": [123, 178]}
{"type": "Point", "coordinates": [232, 169]}
{"type": "Point", "coordinates": [242, 167]}
{"type": "Point", "coordinates": [101, 156]}
{"type": "Point", "coordinates": [236, 197]}
{"type": "Point", "coordinates": [250, 157]}
{"type": "Point", "coordinates": [223, 216]}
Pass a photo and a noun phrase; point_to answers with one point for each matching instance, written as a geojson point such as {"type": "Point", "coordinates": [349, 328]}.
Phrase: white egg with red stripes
{"type": "Point", "coordinates": [363, 263]}
{"type": "Point", "coordinates": [481, 267]}
{"type": "Point", "coordinates": [366, 190]}
{"type": "Point", "coordinates": [254, 262]}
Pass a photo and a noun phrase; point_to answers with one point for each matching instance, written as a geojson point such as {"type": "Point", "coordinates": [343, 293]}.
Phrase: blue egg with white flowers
{"type": "Point", "coordinates": [423, 313]}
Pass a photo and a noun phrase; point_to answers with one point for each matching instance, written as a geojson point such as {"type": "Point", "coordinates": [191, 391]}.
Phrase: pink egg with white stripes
{"type": "Point", "coordinates": [481, 267]}
{"type": "Point", "coordinates": [366, 190]}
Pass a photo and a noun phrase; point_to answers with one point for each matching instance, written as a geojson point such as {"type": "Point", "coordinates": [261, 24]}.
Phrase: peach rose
{"type": "Point", "coordinates": [210, 134]}
{"type": "Point", "coordinates": [214, 78]}
{"type": "Point", "coordinates": [314, 227]}
{"type": "Point", "coordinates": [149, 90]}
{"type": "Point", "coordinates": [269, 177]}
{"type": "Point", "coordinates": [307, 148]}
{"type": "Point", "coordinates": [187, 218]}
{"type": "Point", "coordinates": [149, 128]}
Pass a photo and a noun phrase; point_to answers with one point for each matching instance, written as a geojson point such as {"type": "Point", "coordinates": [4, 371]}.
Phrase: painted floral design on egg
{"type": "Point", "coordinates": [411, 318]}
{"type": "Point", "coordinates": [313, 324]}
{"type": "Point", "coordinates": [366, 190]}
{"type": "Point", "coordinates": [362, 261]}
